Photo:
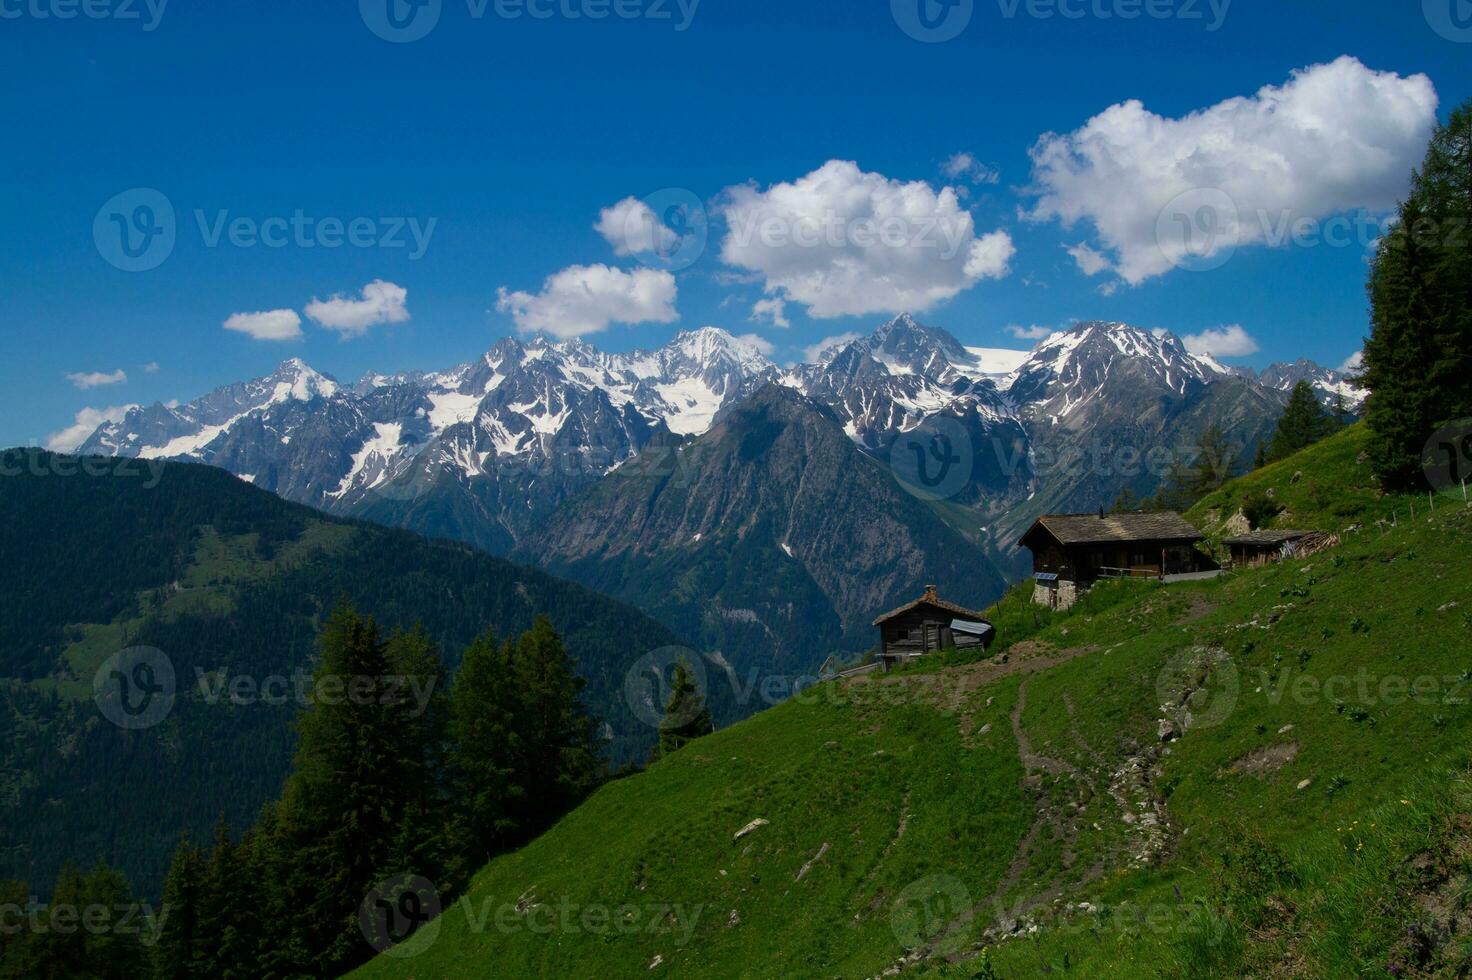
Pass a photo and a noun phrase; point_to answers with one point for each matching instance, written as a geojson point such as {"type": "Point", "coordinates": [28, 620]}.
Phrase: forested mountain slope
{"type": "Point", "coordinates": [230, 584]}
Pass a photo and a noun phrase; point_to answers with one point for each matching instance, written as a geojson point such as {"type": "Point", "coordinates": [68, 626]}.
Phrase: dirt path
{"type": "Point", "coordinates": [1033, 761]}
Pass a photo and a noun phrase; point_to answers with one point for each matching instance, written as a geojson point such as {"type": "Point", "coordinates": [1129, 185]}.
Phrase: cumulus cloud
{"type": "Point", "coordinates": [759, 343]}
{"type": "Point", "coordinates": [379, 302]}
{"type": "Point", "coordinates": [82, 427]}
{"type": "Point", "coordinates": [842, 242]}
{"type": "Point", "coordinates": [1090, 262]}
{"type": "Point", "coordinates": [97, 379]}
{"type": "Point", "coordinates": [1034, 332]}
{"type": "Point", "coordinates": [151, 367]}
{"type": "Point", "coordinates": [1228, 341]}
{"type": "Point", "coordinates": [965, 166]}
{"type": "Point", "coordinates": [1162, 192]}
{"type": "Point", "coordinates": [584, 299]}
{"type": "Point", "coordinates": [773, 310]}
{"type": "Point", "coordinates": [269, 325]}
{"type": "Point", "coordinates": [815, 352]}
{"type": "Point", "coordinates": [1354, 364]}
{"type": "Point", "coordinates": [632, 228]}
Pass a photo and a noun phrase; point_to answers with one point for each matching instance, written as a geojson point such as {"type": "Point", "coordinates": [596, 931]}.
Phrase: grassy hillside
{"type": "Point", "coordinates": [1261, 775]}
{"type": "Point", "coordinates": [1327, 487]}
{"type": "Point", "coordinates": [230, 583]}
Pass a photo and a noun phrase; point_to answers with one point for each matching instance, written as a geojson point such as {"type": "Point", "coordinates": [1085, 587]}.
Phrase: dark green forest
{"type": "Point", "coordinates": [229, 582]}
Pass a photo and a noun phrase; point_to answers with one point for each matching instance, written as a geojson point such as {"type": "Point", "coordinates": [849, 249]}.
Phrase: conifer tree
{"type": "Point", "coordinates": [1194, 475]}
{"type": "Point", "coordinates": [490, 755]}
{"type": "Point", "coordinates": [358, 773]}
{"type": "Point", "coordinates": [1304, 423]}
{"type": "Point", "coordinates": [1128, 502]}
{"type": "Point", "coordinates": [686, 716]}
{"type": "Point", "coordinates": [555, 725]}
{"type": "Point", "coordinates": [178, 949]}
{"type": "Point", "coordinates": [1418, 359]}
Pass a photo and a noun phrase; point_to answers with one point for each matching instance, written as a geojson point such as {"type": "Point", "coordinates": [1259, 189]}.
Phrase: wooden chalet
{"type": "Point", "coordinates": [1265, 547]}
{"type": "Point", "coordinates": [1072, 551]}
{"type": "Point", "coordinates": [929, 624]}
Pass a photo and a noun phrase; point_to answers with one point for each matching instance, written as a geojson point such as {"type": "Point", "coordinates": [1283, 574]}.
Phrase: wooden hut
{"type": "Point", "coordinates": [1265, 547]}
{"type": "Point", "coordinates": [929, 624]}
{"type": "Point", "coordinates": [1072, 551]}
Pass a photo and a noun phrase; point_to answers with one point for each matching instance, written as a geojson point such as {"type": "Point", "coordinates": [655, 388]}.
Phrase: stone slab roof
{"type": "Point", "coordinates": [1110, 528]}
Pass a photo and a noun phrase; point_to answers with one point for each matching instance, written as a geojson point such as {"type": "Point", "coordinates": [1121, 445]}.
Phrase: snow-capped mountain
{"type": "Point", "coordinates": [1072, 368]}
{"type": "Point", "coordinates": [485, 446]}
{"type": "Point", "coordinates": [486, 450]}
{"type": "Point", "coordinates": [1332, 386]}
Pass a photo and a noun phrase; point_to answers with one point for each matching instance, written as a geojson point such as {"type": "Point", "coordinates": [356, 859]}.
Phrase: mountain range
{"type": "Point", "coordinates": [745, 470]}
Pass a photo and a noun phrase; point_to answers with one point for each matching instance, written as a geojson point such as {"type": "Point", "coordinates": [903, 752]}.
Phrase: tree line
{"type": "Point", "coordinates": [395, 773]}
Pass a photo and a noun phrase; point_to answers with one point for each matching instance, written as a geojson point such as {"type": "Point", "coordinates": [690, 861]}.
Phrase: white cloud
{"type": "Point", "coordinates": [97, 379]}
{"type": "Point", "coordinates": [270, 325]}
{"type": "Point", "coordinates": [815, 352]}
{"type": "Point", "coordinates": [842, 242]}
{"type": "Point", "coordinates": [1034, 332]}
{"type": "Point", "coordinates": [1334, 138]}
{"type": "Point", "coordinates": [759, 343]}
{"type": "Point", "coordinates": [151, 367]}
{"type": "Point", "coordinates": [1090, 262]}
{"type": "Point", "coordinates": [773, 310]}
{"type": "Point", "coordinates": [965, 166]}
{"type": "Point", "coordinates": [632, 228]}
{"type": "Point", "coordinates": [1227, 341]}
{"type": "Point", "coordinates": [380, 302]}
{"type": "Point", "coordinates": [1354, 364]}
{"type": "Point", "coordinates": [85, 423]}
{"type": "Point", "coordinates": [584, 299]}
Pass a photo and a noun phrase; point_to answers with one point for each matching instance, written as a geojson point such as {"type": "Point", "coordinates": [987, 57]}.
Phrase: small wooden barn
{"type": "Point", "coordinates": [929, 624]}
{"type": "Point", "coordinates": [1266, 546]}
{"type": "Point", "coordinates": [1071, 551]}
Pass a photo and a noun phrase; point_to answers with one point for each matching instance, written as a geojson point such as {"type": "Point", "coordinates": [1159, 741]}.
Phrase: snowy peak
{"type": "Point", "coordinates": [907, 347]}
{"type": "Point", "coordinates": [295, 379]}
{"type": "Point", "coordinates": [1069, 363]}
{"type": "Point", "coordinates": [711, 348]}
{"type": "Point", "coordinates": [1330, 385]}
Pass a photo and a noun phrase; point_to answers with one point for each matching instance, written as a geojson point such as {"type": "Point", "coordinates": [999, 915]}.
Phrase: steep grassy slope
{"type": "Point", "coordinates": [229, 583]}
{"type": "Point", "coordinates": [1260, 775]}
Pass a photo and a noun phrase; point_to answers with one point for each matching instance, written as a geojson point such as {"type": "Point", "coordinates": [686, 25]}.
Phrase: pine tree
{"type": "Point", "coordinates": [1418, 359]}
{"type": "Point", "coordinates": [686, 716]}
{"type": "Point", "coordinates": [1194, 475]}
{"type": "Point", "coordinates": [490, 755]}
{"type": "Point", "coordinates": [358, 773]}
{"type": "Point", "coordinates": [1128, 502]}
{"type": "Point", "coordinates": [1304, 423]}
{"type": "Point", "coordinates": [556, 726]}
{"type": "Point", "coordinates": [419, 711]}
{"type": "Point", "coordinates": [178, 948]}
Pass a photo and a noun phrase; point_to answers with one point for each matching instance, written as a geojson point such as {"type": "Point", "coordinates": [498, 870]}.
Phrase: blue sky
{"type": "Point", "coordinates": [514, 135]}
